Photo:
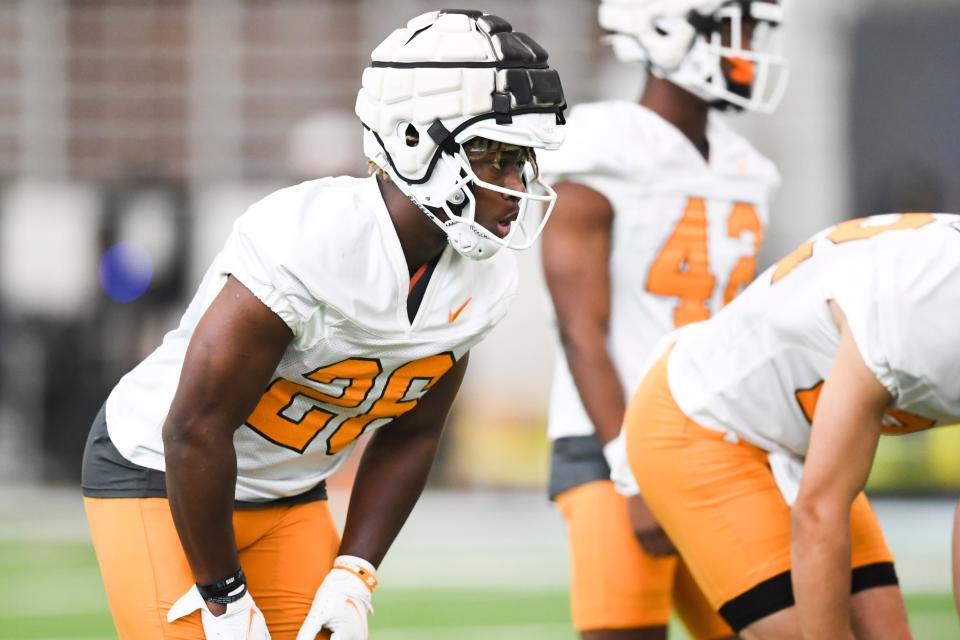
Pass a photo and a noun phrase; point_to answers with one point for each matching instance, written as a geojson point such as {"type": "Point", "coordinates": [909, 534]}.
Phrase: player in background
{"type": "Point", "coordinates": [852, 335]}
{"type": "Point", "coordinates": [338, 307]}
{"type": "Point", "coordinates": [660, 216]}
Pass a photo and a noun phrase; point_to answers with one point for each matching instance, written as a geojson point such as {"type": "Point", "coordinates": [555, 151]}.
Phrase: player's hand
{"type": "Point", "coordinates": [343, 601]}
{"type": "Point", "coordinates": [615, 453]}
{"type": "Point", "coordinates": [652, 538]}
{"type": "Point", "coordinates": [241, 621]}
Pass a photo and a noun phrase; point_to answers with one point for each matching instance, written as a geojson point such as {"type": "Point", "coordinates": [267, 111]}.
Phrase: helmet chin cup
{"type": "Point", "coordinates": [462, 242]}
{"type": "Point", "coordinates": [470, 240]}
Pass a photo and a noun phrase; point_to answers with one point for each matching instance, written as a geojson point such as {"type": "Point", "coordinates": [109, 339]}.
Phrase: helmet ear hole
{"type": "Point", "coordinates": [411, 135]}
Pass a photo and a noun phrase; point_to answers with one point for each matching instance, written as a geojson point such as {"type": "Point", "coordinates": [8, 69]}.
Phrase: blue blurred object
{"type": "Point", "coordinates": [125, 271]}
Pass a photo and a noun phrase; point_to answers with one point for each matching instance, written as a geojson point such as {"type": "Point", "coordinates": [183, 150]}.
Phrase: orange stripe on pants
{"type": "Point", "coordinates": [285, 552]}
{"type": "Point", "coordinates": [615, 584]}
{"type": "Point", "coordinates": [717, 500]}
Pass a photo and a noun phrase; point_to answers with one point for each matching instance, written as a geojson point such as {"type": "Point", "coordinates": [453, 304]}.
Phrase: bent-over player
{"type": "Point", "coordinates": [852, 335]}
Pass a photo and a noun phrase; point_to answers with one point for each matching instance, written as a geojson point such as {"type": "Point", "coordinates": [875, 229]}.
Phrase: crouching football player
{"type": "Point", "coordinates": [338, 307]}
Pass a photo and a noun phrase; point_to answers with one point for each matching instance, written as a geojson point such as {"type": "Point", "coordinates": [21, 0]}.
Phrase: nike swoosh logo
{"type": "Point", "coordinates": [453, 315]}
{"type": "Point", "coordinates": [355, 608]}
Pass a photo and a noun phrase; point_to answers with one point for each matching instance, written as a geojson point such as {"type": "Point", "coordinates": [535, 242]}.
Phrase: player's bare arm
{"type": "Point", "coordinates": [394, 469]}
{"type": "Point", "coordinates": [576, 257]}
{"type": "Point", "coordinates": [233, 352]}
{"type": "Point", "coordinates": [576, 261]}
{"type": "Point", "coordinates": [392, 474]}
{"type": "Point", "coordinates": [845, 431]}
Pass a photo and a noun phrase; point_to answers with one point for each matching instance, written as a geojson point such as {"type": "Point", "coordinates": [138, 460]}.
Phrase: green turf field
{"type": "Point", "coordinates": [31, 573]}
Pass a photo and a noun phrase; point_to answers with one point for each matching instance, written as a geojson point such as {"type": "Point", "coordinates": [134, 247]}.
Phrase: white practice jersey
{"type": "Point", "coordinates": [325, 257]}
{"type": "Point", "coordinates": [757, 368]}
{"type": "Point", "coordinates": [685, 232]}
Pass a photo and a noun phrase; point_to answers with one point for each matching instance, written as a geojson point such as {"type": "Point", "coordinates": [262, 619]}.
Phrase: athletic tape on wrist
{"type": "Point", "coordinates": [225, 591]}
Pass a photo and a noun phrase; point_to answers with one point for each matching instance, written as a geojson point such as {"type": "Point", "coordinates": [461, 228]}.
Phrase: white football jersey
{"type": "Point", "coordinates": [325, 257]}
{"type": "Point", "coordinates": [757, 368]}
{"type": "Point", "coordinates": [685, 232]}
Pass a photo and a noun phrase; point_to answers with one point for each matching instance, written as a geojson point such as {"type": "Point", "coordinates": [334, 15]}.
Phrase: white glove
{"type": "Point", "coordinates": [343, 601]}
{"type": "Point", "coordinates": [615, 453]}
{"type": "Point", "coordinates": [242, 620]}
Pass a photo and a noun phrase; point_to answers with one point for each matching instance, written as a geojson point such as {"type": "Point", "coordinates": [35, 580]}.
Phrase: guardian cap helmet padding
{"type": "Point", "coordinates": [681, 41]}
{"type": "Point", "coordinates": [447, 77]}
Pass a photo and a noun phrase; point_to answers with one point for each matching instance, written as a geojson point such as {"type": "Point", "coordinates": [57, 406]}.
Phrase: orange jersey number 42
{"type": "Point", "coordinates": [682, 267]}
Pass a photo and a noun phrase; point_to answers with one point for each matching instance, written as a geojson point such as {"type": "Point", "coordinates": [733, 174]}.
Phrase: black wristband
{"type": "Point", "coordinates": [225, 591]}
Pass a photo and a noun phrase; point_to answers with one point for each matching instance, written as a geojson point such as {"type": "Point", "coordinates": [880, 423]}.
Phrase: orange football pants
{"type": "Point", "coordinates": [615, 584]}
{"type": "Point", "coordinates": [285, 552]}
{"type": "Point", "coordinates": [717, 500]}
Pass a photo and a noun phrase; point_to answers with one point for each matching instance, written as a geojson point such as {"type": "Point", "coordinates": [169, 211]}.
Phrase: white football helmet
{"type": "Point", "coordinates": [447, 77]}
{"type": "Point", "coordinates": [681, 41]}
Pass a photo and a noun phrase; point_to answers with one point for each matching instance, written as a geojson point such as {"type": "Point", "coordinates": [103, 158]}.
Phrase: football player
{"type": "Point", "coordinates": [788, 389]}
{"type": "Point", "coordinates": [661, 214]}
{"type": "Point", "coordinates": [337, 307]}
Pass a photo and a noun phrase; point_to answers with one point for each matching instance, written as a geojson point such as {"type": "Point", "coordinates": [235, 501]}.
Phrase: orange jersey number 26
{"type": "Point", "coordinates": [355, 379]}
{"type": "Point", "coordinates": [682, 267]}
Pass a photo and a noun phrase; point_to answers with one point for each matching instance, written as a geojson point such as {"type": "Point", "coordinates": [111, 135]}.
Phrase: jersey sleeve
{"type": "Point", "coordinates": [258, 255]}
{"type": "Point", "coordinates": [904, 319]}
{"type": "Point", "coordinates": [917, 301]}
{"type": "Point", "coordinates": [854, 286]}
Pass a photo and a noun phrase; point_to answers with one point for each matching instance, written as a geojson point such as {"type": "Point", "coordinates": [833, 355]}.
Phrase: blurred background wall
{"type": "Point", "coordinates": [133, 132]}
